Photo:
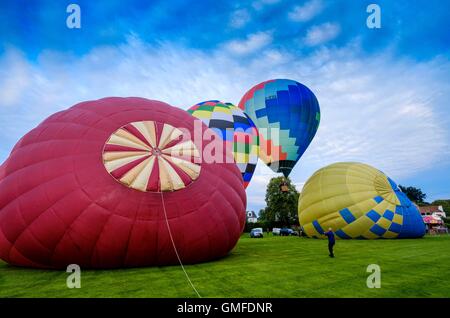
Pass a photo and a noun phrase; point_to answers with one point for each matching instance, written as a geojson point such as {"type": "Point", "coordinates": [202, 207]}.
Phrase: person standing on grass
{"type": "Point", "coordinates": [331, 241]}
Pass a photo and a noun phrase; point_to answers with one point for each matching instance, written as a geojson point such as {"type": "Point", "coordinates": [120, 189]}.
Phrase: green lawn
{"type": "Point", "coordinates": [268, 267]}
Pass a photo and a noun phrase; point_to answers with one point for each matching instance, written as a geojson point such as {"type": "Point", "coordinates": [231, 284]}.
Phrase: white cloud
{"type": "Point", "coordinates": [299, 186]}
{"type": "Point", "coordinates": [14, 78]}
{"type": "Point", "coordinates": [260, 4]}
{"type": "Point", "coordinates": [323, 33]}
{"type": "Point", "coordinates": [387, 112]}
{"type": "Point", "coordinates": [252, 43]}
{"type": "Point", "coordinates": [306, 11]}
{"type": "Point", "coordinates": [239, 18]}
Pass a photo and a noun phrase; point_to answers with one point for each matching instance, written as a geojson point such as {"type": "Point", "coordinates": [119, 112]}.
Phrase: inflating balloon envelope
{"type": "Point", "coordinates": [115, 183]}
{"type": "Point", "coordinates": [287, 115]}
{"type": "Point", "coordinates": [358, 202]}
{"type": "Point", "coordinates": [236, 129]}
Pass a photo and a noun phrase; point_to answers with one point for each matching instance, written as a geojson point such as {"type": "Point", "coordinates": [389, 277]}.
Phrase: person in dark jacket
{"type": "Point", "coordinates": [331, 241]}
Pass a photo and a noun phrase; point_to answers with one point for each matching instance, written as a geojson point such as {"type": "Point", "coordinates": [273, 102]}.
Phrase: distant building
{"type": "Point", "coordinates": [252, 217]}
{"type": "Point", "coordinates": [432, 216]}
{"type": "Point", "coordinates": [433, 210]}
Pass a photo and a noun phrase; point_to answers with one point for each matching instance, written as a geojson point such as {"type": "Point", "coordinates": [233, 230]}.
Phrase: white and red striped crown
{"type": "Point", "coordinates": [151, 156]}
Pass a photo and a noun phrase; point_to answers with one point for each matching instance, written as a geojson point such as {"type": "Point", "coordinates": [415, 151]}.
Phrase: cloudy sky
{"type": "Point", "coordinates": [384, 93]}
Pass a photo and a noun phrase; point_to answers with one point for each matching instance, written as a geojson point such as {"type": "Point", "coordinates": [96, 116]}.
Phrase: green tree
{"type": "Point", "coordinates": [281, 209]}
{"type": "Point", "coordinates": [414, 194]}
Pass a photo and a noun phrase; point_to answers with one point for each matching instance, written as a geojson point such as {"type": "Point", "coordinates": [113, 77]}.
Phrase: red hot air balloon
{"type": "Point", "coordinates": [101, 184]}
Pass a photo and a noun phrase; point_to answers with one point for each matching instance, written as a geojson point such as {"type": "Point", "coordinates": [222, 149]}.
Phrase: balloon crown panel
{"type": "Point", "coordinates": [151, 156]}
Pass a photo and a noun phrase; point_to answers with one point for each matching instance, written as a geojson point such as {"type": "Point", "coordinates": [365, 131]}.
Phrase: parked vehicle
{"type": "Point", "coordinates": [276, 231]}
{"type": "Point", "coordinates": [288, 232]}
{"type": "Point", "coordinates": [256, 232]}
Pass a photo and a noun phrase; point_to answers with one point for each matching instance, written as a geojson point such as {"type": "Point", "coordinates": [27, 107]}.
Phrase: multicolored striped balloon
{"type": "Point", "coordinates": [358, 201]}
{"type": "Point", "coordinates": [236, 129]}
{"type": "Point", "coordinates": [287, 115]}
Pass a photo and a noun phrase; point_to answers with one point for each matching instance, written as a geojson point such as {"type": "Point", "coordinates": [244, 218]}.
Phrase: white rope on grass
{"type": "Point", "coordinates": [175, 248]}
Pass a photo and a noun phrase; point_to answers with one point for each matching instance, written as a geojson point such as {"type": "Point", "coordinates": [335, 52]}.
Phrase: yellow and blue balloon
{"type": "Point", "coordinates": [357, 201]}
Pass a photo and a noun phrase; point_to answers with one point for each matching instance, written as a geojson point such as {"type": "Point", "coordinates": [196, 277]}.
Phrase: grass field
{"type": "Point", "coordinates": [268, 267]}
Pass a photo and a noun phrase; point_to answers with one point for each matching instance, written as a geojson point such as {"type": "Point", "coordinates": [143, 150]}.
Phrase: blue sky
{"type": "Point", "coordinates": [384, 93]}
